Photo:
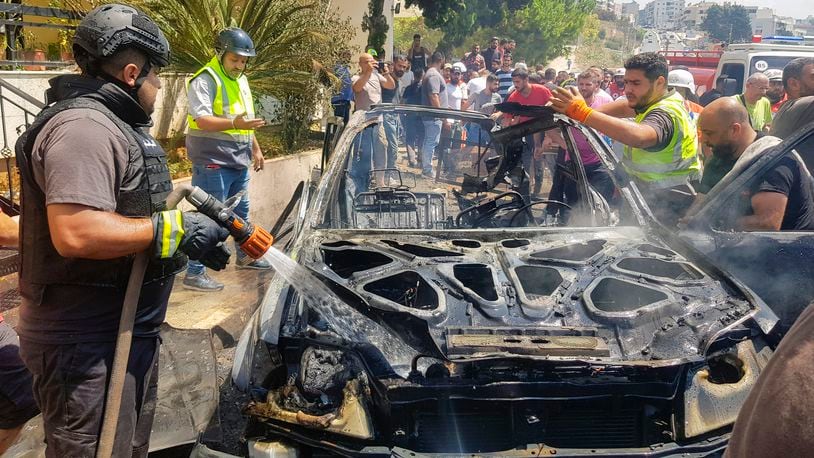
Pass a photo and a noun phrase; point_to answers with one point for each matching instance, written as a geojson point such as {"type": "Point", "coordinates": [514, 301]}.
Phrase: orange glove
{"type": "Point", "coordinates": [578, 110]}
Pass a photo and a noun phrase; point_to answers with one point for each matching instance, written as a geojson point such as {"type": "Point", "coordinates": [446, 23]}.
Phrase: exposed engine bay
{"type": "Point", "coordinates": [580, 339]}
{"type": "Point", "coordinates": [581, 294]}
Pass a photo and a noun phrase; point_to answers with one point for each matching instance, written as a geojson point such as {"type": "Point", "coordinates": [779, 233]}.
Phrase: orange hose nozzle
{"type": "Point", "coordinates": [258, 243]}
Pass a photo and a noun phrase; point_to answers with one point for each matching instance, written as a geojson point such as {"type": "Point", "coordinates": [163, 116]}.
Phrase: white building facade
{"type": "Point", "coordinates": [662, 14]}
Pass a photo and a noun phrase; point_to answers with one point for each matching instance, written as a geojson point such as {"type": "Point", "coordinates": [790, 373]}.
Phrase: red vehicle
{"type": "Point", "coordinates": [701, 63]}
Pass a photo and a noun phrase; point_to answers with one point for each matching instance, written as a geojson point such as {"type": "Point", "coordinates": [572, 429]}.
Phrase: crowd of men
{"type": "Point", "coordinates": [481, 79]}
{"type": "Point", "coordinates": [676, 145]}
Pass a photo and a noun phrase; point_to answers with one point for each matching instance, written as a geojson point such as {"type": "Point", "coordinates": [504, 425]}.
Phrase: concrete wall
{"type": "Point", "coordinates": [271, 189]}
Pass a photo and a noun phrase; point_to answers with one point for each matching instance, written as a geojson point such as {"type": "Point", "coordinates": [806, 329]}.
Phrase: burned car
{"type": "Point", "coordinates": [459, 312]}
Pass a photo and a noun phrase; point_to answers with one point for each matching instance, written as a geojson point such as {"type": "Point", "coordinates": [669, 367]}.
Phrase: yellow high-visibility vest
{"type": "Point", "coordinates": [678, 161]}
{"type": "Point", "coordinates": [232, 98]}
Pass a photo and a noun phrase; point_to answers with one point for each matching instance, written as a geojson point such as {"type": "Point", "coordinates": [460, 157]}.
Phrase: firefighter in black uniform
{"type": "Point", "coordinates": [94, 186]}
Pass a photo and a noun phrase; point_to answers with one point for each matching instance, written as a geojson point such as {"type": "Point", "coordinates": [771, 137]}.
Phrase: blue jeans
{"type": "Point", "coordinates": [360, 165]}
{"type": "Point", "coordinates": [432, 135]}
{"type": "Point", "coordinates": [222, 183]}
{"type": "Point", "coordinates": [391, 133]}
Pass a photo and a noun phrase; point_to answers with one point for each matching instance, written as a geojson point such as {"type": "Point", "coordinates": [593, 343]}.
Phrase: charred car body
{"type": "Point", "coordinates": [474, 322]}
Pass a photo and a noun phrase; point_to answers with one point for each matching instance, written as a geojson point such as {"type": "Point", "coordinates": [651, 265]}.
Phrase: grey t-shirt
{"type": "Point", "coordinates": [661, 122]}
{"type": "Point", "coordinates": [433, 83]}
{"type": "Point", "coordinates": [71, 159]}
{"type": "Point", "coordinates": [371, 94]}
{"type": "Point", "coordinates": [483, 103]}
{"type": "Point", "coordinates": [212, 147]}
{"type": "Point", "coordinates": [792, 116]}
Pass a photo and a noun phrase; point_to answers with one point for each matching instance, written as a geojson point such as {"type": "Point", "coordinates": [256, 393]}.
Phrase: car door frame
{"type": "Point", "coordinates": [786, 291]}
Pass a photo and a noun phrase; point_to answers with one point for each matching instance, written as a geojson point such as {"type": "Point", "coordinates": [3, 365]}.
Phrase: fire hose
{"type": "Point", "coordinates": [252, 239]}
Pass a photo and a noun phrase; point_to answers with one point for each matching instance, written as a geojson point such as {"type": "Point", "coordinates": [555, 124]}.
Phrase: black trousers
{"type": "Point", "coordinates": [70, 385]}
{"type": "Point", "coordinates": [17, 404]}
{"type": "Point", "coordinates": [342, 110]}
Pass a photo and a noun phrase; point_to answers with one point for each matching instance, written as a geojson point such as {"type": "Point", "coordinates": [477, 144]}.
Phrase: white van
{"type": "Point", "coordinates": [740, 60]}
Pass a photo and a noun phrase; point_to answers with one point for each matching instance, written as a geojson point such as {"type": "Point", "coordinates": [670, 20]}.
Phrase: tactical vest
{"type": "Point", "coordinates": [676, 163]}
{"type": "Point", "coordinates": [147, 182]}
{"type": "Point", "coordinates": [232, 98]}
{"type": "Point", "coordinates": [419, 60]}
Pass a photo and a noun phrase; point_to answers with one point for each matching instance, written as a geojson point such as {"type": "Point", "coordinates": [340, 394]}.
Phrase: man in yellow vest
{"type": "Point", "coordinates": [661, 147]}
{"type": "Point", "coordinates": [221, 143]}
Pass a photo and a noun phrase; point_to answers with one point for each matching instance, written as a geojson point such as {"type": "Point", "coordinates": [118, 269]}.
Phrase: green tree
{"type": "Point", "coordinates": [405, 27]}
{"type": "Point", "coordinates": [375, 24]}
{"type": "Point", "coordinates": [729, 23]}
{"type": "Point", "coordinates": [545, 28]}
{"type": "Point", "coordinates": [542, 28]}
{"type": "Point", "coordinates": [296, 41]}
{"type": "Point", "coordinates": [460, 19]}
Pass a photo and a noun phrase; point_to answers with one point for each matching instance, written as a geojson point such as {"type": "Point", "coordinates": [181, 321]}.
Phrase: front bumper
{"type": "Point", "coordinates": [267, 449]}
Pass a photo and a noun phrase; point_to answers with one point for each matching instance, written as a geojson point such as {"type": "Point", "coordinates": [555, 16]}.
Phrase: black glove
{"type": "Point", "coordinates": [200, 238]}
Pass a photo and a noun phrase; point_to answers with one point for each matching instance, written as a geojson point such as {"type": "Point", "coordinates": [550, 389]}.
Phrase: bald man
{"type": "Point", "coordinates": [755, 101]}
{"type": "Point", "coordinates": [367, 91]}
{"type": "Point", "coordinates": [725, 129]}
{"type": "Point", "coordinates": [367, 86]}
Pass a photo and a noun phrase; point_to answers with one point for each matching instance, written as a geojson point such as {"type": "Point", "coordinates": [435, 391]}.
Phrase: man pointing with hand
{"type": "Point", "coordinates": [661, 141]}
{"type": "Point", "coordinates": [221, 143]}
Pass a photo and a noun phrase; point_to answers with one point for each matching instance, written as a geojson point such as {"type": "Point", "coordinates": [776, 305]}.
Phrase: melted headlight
{"type": "Point", "coordinates": [330, 393]}
{"type": "Point", "coordinates": [715, 392]}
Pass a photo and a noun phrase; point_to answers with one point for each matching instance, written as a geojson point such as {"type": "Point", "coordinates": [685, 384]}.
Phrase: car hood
{"type": "Point", "coordinates": [589, 294]}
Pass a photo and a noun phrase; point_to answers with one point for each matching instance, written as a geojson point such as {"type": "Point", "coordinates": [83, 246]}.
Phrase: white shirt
{"type": "Point", "coordinates": [404, 81]}
{"type": "Point", "coordinates": [476, 85]}
{"type": "Point", "coordinates": [456, 93]}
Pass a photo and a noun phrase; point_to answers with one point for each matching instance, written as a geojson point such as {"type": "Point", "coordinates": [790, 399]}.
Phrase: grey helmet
{"type": "Point", "coordinates": [112, 27]}
{"type": "Point", "coordinates": [237, 41]}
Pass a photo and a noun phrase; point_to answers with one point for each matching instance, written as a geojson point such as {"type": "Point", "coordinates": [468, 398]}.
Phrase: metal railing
{"type": "Point", "coordinates": [11, 96]}
{"type": "Point", "coordinates": [11, 20]}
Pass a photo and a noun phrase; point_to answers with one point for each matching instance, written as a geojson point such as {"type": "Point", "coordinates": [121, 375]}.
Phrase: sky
{"type": "Point", "coordinates": [799, 9]}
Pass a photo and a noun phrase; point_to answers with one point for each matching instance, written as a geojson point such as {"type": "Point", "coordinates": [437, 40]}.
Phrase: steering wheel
{"type": "Point", "coordinates": [489, 207]}
{"type": "Point", "coordinates": [542, 201]}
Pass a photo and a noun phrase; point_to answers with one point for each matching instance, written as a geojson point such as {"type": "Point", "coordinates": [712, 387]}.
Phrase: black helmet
{"type": "Point", "coordinates": [112, 27]}
{"type": "Point", "coordinates": [237, 41]}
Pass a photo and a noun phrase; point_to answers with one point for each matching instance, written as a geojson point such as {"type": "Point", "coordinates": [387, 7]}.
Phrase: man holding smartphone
{"type": "Point", "coordinates": [373, 77]}
{"type": "Point", "coordinates": [221, 143]}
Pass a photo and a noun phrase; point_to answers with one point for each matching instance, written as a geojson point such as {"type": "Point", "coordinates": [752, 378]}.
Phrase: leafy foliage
{"type": "Point", "coordinates": [542, 28]}
{"type": "Point", "coordinates": [296, 41]}
{"type": "Point", "coordinates": [728, 22]}
{"type": "Point", "coordinates": [405, 27]}
{"type": "Point", "coordinates": [290, 36]}
{"type": "Point", "coordinates": [460, 19]}
{"type": "Point", "coordinates": [375, 24]}
{"type": "Point", "coordinates": [438, 12]}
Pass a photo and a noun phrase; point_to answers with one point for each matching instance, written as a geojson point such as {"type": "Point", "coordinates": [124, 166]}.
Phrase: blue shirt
{"type": "Point", "coordinates": [346, 92]}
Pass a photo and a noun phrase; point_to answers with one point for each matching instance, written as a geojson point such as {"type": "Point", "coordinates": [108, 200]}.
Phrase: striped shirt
{"type": "Point", "coordinates": [505, 77]}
